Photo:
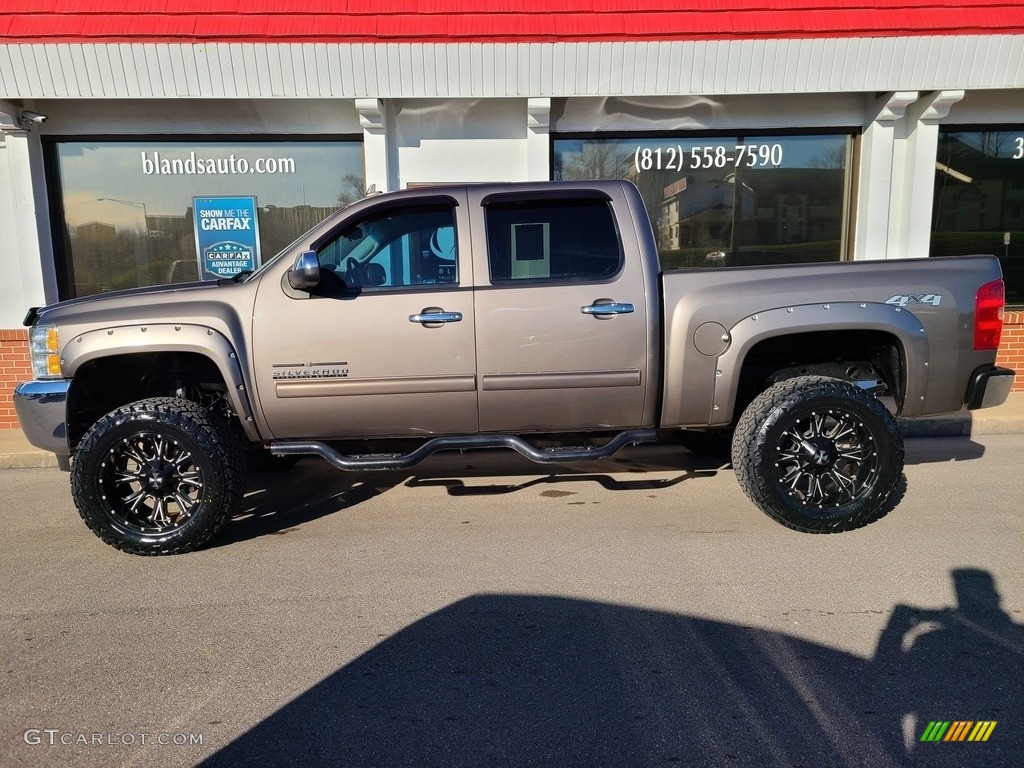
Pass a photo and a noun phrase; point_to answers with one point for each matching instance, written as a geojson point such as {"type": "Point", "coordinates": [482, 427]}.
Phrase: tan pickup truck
{"type": "Point", "coordinates": [503, 315]}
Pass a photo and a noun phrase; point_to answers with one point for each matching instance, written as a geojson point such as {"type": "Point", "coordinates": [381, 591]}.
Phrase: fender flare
{"type": "Point", "coordinates": [807, 318]}
{"type": "Point", "coordinates": [165, 337]}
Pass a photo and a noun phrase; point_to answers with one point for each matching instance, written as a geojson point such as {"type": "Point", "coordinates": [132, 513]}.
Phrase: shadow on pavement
{"type": "Point", "coordinates": [517, 680]}
{"type": "Point", "coordinates": [278, 502]}
{"type": "Point", "coordinates": [281, 500]}
{"type": "Point", "coordinates": [938, 450]}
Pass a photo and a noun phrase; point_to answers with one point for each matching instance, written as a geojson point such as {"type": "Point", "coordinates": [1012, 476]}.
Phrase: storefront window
{"type": "Point", "coordinates": [979, 199]}
{"type": "Point", "coordinates": [129, 208]}
{"type": "Point", "coordinates": [727, 200]}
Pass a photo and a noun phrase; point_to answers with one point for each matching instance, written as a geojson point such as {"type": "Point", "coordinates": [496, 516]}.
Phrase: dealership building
{"type": "Point", "coordinates": [758, 131]}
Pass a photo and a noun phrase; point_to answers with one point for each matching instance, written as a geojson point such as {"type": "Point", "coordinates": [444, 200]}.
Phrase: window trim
{"type": "Point", "coordinates": [511, 198]}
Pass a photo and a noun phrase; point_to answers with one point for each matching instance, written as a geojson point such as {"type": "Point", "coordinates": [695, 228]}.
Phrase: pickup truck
{"type": "Point", "coordinates": [528, 316]}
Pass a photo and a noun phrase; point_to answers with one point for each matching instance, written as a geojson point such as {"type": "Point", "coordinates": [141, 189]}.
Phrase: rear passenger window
{"type": "Point", "coordinates": [552, 240]}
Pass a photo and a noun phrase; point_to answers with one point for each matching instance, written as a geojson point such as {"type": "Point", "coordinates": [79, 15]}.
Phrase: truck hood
{"type": "Point", "coordinates": [184, 302]}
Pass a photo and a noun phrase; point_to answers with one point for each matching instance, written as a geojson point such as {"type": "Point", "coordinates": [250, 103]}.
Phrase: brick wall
{"type": "Point", "coordinates": [14, 368]}
{"type": "Point", "coordinates": [1011, 350]}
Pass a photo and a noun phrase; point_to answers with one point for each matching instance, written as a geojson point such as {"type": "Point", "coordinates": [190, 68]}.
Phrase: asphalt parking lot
{"type": "Point", "coordinates": [479, 611]}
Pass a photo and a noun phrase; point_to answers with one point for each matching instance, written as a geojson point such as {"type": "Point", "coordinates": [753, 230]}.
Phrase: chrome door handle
{"type": "Point", "coordinates": [607, 309]}
{"type": "Point", "coordinates": [432, 315]}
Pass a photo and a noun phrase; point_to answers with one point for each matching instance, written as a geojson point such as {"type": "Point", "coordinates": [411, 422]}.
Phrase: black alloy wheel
{"type": "Point", "coordinates": [151, 482]}
{"type": "Point", "coordinates": [158, 476]}
{"type": "Point", "coordinates": [819, 455]}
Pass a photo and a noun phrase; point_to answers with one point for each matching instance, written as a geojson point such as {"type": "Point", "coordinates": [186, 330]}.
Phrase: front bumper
{"type": "Point", "coordinates": [42, 411]}
{"type": "Point", "coordinates": [989, 387]}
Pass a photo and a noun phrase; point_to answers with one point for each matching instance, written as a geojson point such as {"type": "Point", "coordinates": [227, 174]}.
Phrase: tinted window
{"type": "Point", "coordinates": [128, 213]}
{"type": "Point", "coordinates": [728, 200]}
{"type": "Point", "coordinates": [395, 248]}
{"type": "Point", "coordinates": [979, 199]}
{"type": "Point", "coordinates": [552, 240]}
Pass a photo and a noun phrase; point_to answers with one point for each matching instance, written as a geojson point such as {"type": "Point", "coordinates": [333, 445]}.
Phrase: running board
{"type": "Point", "coordinates": [467, 442]}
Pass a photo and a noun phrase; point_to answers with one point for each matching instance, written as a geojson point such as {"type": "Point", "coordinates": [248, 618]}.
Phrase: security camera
{"type": "Point", "coordinates": [29, 118]}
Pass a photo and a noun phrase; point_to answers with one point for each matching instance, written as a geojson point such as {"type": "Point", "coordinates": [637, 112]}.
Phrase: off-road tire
{"type": "Point", "coordinates": [159, 476]}
{"type": "Point", "coordinates": [819, 455]}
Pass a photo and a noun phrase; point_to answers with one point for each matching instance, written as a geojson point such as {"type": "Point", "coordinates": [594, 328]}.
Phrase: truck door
{"type": "Point", "coordinates": [562, 313]}
{"type": "Point", "coordinates": [386, 344]}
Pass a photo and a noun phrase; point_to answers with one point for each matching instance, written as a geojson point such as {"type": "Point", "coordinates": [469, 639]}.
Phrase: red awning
{"type": "Point", "coordinates": [501, 21]}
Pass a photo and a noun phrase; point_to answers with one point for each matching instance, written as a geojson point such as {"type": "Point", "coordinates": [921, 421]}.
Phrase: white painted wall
{"type": "Point", "coordinates": [224, 70]}
{"type": "Point", "coordinates": [26, 261]}
{"type": "Point", "coordinates": [726, 113]}
{"type": "Point", "coordinates": [987, 107]}
{"type": "Point", "coordinates": [440, 140]}
{"type": "Point", "coordinates": [68, 117]}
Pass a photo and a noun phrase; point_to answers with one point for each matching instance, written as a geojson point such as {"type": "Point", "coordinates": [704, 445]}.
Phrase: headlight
{"type": "Point", "coordinates": [45, 351]}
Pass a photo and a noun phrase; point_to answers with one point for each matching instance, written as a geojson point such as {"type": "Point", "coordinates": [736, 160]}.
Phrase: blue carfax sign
{"type": "Point", "coordinates": [227, 236]}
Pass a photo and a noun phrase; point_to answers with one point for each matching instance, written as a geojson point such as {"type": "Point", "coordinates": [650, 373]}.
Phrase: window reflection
{"type": "Point", "coordinates": [728, 200]}
{"type": "Point", "coordinates": [128, 212]}
{"type": "Point", "coordinates": [979, 199]}
{"type": "Point", "coordinates": [394, 248]}
{"type": "Point", "coordinates": [563, 240]}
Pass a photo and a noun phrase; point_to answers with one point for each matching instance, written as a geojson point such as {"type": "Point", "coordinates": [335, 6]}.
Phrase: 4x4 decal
{"type": "Point", "coordinates": [902, 300]}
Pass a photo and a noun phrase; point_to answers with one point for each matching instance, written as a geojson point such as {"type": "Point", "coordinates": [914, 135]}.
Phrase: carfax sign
{"type": "Point", "coordinates": [227, 236]}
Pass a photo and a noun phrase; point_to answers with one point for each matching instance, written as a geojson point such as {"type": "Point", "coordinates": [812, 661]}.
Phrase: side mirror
{"type": "Point", "coordinates": [305, 273]}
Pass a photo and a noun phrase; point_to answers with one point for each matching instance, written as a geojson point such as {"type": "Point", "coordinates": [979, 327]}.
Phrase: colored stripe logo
{"type": "Point", "coordinates": [958, 730]}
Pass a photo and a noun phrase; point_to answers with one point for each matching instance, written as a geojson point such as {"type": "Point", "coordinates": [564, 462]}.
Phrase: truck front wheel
{"type": "Point", "coordinates": [159, 476]}
{"type": "Point", "coordinates": [819, 455]}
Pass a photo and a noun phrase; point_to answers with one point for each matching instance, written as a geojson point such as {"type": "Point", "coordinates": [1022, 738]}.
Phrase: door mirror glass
{"type": "Point", "coordinates": [305, 273]}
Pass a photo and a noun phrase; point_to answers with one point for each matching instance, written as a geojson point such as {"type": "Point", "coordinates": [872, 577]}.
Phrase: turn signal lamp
{"type": "Point", "coordinates": [45, 352]}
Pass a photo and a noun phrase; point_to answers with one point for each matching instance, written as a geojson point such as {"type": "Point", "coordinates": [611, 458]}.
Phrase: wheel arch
{"type": "Point", "coordinates": [891, 338]}
{"type": "Point", "coordinates": [115, 366]}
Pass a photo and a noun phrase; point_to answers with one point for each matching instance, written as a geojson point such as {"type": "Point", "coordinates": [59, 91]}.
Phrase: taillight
{"type": "Point", "coordinates": [988, 315]}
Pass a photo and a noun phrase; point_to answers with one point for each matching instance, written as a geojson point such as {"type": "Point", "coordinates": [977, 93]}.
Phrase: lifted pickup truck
{"type": "Point", "coordinates": [503, 315]}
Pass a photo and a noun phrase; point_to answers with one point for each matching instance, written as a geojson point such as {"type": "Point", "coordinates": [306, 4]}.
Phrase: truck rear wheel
{"type": "Point", "coordinates": [157, 477]}
{"type": "Point", "coordinates": [819, 455]}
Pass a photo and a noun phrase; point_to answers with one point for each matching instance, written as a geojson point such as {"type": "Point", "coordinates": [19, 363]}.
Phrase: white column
{"type": "Point", "coordinates": [372, 118]}
{"type": "Point", "coordinates": [538, 148]}
{"type": "Point", "coordinates": [875, 183]}
{"type": "Point", "coordinates": [914, 175]}
{"type": "Point", "coordinates": [26, 258]}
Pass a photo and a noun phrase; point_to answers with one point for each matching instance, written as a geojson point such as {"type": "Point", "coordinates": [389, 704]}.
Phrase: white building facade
{"type": "Point", "coordinates": [768, 147]}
